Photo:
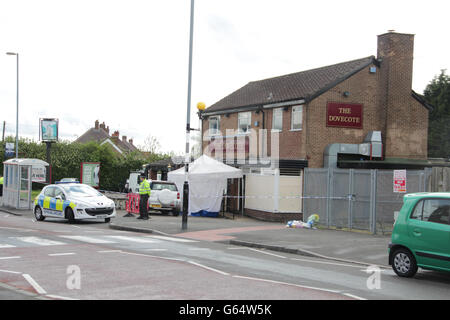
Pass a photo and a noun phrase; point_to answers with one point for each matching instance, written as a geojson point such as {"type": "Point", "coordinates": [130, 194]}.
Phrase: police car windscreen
{"type": "Point", "coordinates": [82, 191]}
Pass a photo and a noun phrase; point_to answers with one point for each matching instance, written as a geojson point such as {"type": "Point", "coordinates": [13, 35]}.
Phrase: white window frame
{"type": "Point", "coordinates": [277, 112]}
{"type": "Point", "coordinates": [244, 116]}
{"type": "Point", "coordinates": [297, 110]}
{"type": "Point", "coordinates": [217, 131]}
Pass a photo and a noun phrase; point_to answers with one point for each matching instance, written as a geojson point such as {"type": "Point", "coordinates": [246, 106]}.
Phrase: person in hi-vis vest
{"type": "Point", "coordinates": [144, 194]}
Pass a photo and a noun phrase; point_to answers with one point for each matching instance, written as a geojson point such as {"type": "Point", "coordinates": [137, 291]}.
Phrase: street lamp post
{"type": "Point", "coordinates": [17, 101]}
{"type": "Point", "coordinates": [188, 126]}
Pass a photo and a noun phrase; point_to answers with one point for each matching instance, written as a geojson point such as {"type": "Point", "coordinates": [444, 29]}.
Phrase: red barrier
{"type": "Point", "coordinates": [132, 205]}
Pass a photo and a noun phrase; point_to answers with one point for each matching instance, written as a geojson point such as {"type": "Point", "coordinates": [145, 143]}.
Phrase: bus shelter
{"type": "Point", "coordinates": [18, 175]}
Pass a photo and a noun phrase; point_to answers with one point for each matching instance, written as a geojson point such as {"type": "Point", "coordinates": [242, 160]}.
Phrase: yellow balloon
{"type": "Point", "coordinates": [201, 106]}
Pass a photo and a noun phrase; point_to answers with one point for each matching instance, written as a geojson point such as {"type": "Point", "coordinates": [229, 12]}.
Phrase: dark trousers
{"type": "Point", "coordinates": [1, 190]}
{"type": "Point", "coordinates": [143, 201]}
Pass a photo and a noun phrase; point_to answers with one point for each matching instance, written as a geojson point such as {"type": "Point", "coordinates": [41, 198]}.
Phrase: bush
{"type": "Point", "coordinates": [66, 159]}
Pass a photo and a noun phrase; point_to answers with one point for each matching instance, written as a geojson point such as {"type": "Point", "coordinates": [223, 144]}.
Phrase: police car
{"type": "Point", "coordinates": [73, 201]}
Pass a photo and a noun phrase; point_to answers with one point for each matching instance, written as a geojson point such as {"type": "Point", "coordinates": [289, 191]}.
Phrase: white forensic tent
{"type": "Point", "coordinates": [207, 181]}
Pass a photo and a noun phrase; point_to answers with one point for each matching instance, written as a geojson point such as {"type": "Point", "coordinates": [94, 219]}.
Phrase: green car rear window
{"type": "Point", "coordinates": [432, 210]}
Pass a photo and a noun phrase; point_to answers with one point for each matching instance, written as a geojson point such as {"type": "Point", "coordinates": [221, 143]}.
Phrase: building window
{"type": "Point", "coordinates": [244, 122]}
{"type": "Point", "coordinates": [214, 126]}
{"type": "Point", "coordinates": [297, 118]}
{"type": "Point", "coordinates": [277, 120]}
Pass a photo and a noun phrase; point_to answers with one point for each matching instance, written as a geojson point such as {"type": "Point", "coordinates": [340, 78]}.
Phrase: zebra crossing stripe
{"type": "Point", "coordinates": [134, 239]}
{"type": "Point", "coordinates": [39, 241]}
{"type": "Point", "coordinates": [6, 246]}
{"type": "Point", "coordinates": [87, 239]}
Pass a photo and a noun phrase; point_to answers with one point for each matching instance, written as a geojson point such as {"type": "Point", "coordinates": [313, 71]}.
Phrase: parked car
{"type": "Point", "coordinates": [421, 234]}
{"type": "Point", "coordinates": [73, 201]}
{"type": "Point", "coordinates": [164, 197]}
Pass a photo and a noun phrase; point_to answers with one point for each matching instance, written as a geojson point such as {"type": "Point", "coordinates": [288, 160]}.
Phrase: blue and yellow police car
{"type": "Point", "coordinates": [73, 201]}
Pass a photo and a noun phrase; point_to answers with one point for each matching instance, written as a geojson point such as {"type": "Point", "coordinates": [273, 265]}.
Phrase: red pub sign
{"type": "Point", "coordinates": [345, 115]}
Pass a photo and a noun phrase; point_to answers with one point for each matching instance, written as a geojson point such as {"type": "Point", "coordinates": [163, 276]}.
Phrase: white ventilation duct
{"type": "Point", "coordinates": [371, 147]}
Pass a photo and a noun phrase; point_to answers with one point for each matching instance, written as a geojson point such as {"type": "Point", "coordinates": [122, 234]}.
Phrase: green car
{"type": "Point", "coordinates": [421, 235]}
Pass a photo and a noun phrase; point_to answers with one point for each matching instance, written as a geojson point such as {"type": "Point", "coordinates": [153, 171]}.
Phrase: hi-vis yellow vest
{"type": "Point", "coordinates": [144, 187]}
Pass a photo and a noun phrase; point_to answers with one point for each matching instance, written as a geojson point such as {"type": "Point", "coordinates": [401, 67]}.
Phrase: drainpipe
{"type": "Point", "coordinates": [263, 127]}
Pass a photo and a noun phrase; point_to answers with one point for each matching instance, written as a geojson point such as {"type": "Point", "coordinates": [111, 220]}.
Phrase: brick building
{"type": "Point", "coordinates": [341, 105]}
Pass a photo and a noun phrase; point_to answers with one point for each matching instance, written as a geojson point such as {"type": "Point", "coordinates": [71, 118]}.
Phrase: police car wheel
{"type": "Point", "coordinates": [69, 215]}
{"type": "Point", "coordinates": [38, 214]}
{"type": "Point", "coordinates": [107, 220]}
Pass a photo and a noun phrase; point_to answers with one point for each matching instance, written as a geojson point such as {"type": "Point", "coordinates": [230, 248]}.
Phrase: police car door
{"type": "Point", "coordinates": [49, 194]}
{"type": "Point", "coordinates": [59, 199]}
{"type": "Point", "coordinates": [50, 202]}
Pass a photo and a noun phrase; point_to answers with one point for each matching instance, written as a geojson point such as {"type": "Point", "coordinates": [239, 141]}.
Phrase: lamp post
{"type": "Point", "coordinates": [188, 126]}
{"type": "Point", "coordinates": [17, 101]}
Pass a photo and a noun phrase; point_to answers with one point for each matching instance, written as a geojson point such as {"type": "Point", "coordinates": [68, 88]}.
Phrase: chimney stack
{"type": "Point", "coordinates": [124, 138]}
{"type": "Point", "coordinates": [96, 124]}
{"type": "Point", "coordinates": [130, 141]}
{"type": "Point", "coordinates": [395, 53]}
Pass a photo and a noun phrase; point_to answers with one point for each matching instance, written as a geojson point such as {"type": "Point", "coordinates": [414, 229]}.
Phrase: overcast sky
{"type": "Point", "coordinates": [125, 62]}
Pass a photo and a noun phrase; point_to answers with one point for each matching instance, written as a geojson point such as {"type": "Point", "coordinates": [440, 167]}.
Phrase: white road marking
{"type": "Point", "coordinates": [353, 296]}
{"type": "Point", "coordinates": [8, 271]}
{"type": "Point", "coordinates": [150, 256]}
{"type": "Point", "coordinates": [208, 268]}
{"type": "Point", "coordinates": [39, 241]}
{"type": "Point", "coordinates": [289, 284]}
{"type": "Point", "coordinates": [14, 257]}
{"type": "Point", "coordinates": [268, 253]}
{"type": "Point", "coordinates": [87, 239]}
{"type": "Point", "coordinates": [109, 251]}
{"type": "Point", "coordinates": [134, 239]}
{"type": "Point", "coordinates": [155, 249]}
{"type": "Point", "coordinates": [6, 246]}
{"type": "Point", "coordinates": [59, 297]}
{"type": "Point", "coordinates": [172, 239]}
{"type": "Point", "coordinates": [34, 284]}
{"type": "Point", "coordinates": [326, 262]}
{"type": "Point", "coordinates": [61, 254]}
{"type": "Point", "coordinates": [199, 249]}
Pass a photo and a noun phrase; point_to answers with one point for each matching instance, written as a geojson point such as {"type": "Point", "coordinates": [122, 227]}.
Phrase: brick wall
{"type": "Point", "coordinates": [363, 90]}
{"type": "Point", "coordinates": [388, 106]}
{"type": "Point", "coordinates": [406, 127]}
{"type": "Point", "coordinates": [271, 216]}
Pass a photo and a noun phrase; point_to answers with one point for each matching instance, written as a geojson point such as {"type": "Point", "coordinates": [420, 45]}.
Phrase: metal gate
{"type": "Point", "coordinates": [357, 199]}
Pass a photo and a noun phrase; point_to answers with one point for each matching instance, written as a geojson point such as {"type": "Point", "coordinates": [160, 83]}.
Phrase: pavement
{"type": "Point", "coordinates": [344, 246]}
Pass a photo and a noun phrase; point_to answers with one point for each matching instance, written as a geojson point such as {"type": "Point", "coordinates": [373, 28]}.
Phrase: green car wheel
{"type": "Point", "coordinates": [404, 264]}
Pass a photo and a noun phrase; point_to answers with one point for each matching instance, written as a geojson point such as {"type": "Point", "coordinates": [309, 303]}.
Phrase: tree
{"type": "Point", "coordinates": [437, 93]}
{"type": "Point", "coordinates": [151, 145]}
